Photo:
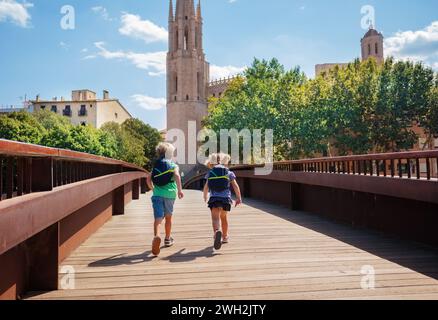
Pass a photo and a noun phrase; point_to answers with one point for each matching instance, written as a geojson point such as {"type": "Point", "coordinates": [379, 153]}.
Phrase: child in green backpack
{"type": "Point", "coordinates": [165, 181]}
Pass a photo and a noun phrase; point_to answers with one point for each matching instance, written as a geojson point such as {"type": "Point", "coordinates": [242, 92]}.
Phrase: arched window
{"type": "Point", "coordinates": [187, 97]}
{"type": "Point", "coordinates": [369, 49]}
{"type": "Point", "coordinates": [377, 48]}
{"type": "Point", "coordinates": [176, 39]}
{"type": "Point", "coordinates": [199, 82]}
{"type": "Point", "coordinates": [176, 84]}
{"type": "Point", "coordinates": [186, 39]}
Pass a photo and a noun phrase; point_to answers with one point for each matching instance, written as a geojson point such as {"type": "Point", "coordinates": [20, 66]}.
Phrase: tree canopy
{"type": "Point", "coordinates": [362, 108]}
{"type": "Point", "coordinates": [133, 141]}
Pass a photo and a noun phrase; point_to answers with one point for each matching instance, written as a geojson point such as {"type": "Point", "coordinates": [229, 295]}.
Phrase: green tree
{"type": "Point", "coordinates": [151, 137]}
{"type": "Point", "coordinates": [361, 108]}
{"type": "Point", "coordinates": [85, 139]}
{"type": "Point", "coordinates": [22, 127]}
{"type": "Point", "coordinates": [58, 129]}
{"type": "Point", "coordinates": [126, 146]}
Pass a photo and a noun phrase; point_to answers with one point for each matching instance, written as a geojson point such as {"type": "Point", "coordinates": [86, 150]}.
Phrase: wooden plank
{"type": "Point", "coordinates": [274, 253]}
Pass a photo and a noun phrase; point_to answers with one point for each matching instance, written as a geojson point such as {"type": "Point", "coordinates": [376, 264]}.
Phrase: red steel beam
{"type": "Point", "coordinates": [420, 190]}
{"type": "Point", "coordinates": [12, 148]}
{"type": "Point", "coordinates": [23, 217]}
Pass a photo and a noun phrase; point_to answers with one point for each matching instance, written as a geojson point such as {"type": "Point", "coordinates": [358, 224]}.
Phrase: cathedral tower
{"type": "Point", "coordinates": [187, 70]}
{"type": "Point", "coordinates": [372, 45]}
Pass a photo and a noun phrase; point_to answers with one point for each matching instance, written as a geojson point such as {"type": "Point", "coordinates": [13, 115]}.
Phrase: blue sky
{"type": "Point", "coordinates": [120, 45]}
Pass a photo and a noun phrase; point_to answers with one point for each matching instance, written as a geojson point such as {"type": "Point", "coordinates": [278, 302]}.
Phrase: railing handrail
{"type": "Point", "coordinates": [13, 148]}
{"type": "Point", "coordinates": [377, 156]}
{"type": "Point", "coordinates": [409, 155]}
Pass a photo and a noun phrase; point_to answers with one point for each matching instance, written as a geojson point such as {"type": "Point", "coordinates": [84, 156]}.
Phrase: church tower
{"type": "Point", "coordinates": [372, 45]}
{"type": "Point", "coordinates": [187, 70]}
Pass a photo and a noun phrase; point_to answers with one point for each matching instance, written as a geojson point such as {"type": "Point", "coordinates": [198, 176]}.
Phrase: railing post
{"type": "Point", "coordinates": [143, 185]}
{"type": "Point", "coordinates": [136, 189]}
{"type": "Point", "coordinates": [27, 175]}
{"type": "Point", "coordinates": [436, 167]}
{"type": "Point", "coordinates": [1, 178]}
{"type": "Point", "coordinates": [295, 196]}
{"type": "Point", "coordinates": [400, 168]}
{"type": "Point", "coordinates": [20, 177]}
{"type": "Point", "coordinates": [428, 168]}
{"type": "Point", "coordinates": [119, 201]}
{"type": "Point", "coordinates": [42, 174]}
{"type": "Point", "coordinates": [9, 177]}
{"type": "Point", "coordinates": [43, 249]}
{"type": "Point", "coordinates": [392, 168]}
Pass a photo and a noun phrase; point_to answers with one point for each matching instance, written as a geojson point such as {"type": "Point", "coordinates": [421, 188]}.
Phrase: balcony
{"type": "Point", "coordinates": [66, 112]}
{"type": "Point", "coordinates": [82, 113]}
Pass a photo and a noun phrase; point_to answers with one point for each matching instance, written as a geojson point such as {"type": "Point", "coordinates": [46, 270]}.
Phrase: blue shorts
{"type": "Point", "coordinates": [162, 207]}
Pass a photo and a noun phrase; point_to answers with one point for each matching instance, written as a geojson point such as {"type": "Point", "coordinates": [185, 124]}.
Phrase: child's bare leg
{"type": "Point", "coordinates": [224, 222]}
{"type": "Point", "coordinates": [168, 225]}
{"type": "Point", "coordinates": [157, 227]}
{"type": "Point", "coordinates": [215, 218]}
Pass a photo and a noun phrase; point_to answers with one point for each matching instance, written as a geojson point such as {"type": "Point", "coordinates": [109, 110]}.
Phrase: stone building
{"type": "Point", "coordinates": [188, 72]}
{"type": "Point", "coordinates": [85, 108]}
{"type": "Point", "coordinates": [371, 46]}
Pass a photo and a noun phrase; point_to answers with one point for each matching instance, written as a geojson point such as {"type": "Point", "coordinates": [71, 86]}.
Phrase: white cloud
{"type": "Point", "coordinates": [154, 62]}
{"type": "Point", "coordinates": [419, 45]}
{"type": "Point", "coordinates": [134, 27]}
{"type": "Point", "coordinates": [64, 45]}
{"type": "Point", "coordinates": [217, 72]}
{"type": "Point", "coordinates": [11, 10]}
{"type": "Point", "coordinates": [103, 13]}
{"type": "Point", "coordinates": [149, 103]}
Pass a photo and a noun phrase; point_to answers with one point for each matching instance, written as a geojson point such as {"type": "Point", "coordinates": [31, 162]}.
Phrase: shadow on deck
{"type": "Point", "coordinates": [274, 253]}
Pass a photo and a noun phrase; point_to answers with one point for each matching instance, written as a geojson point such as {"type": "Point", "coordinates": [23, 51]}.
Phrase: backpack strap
{"type": "Point", "coordinates": [164, 173]}
{"type": "Point", "coordinates": [216, 177]}
{"type": "Point", "coordinates": [171, 170]}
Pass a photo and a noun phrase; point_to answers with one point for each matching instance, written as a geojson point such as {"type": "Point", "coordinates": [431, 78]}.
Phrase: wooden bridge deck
{"type": "Point", "coordinates": [274, 254]}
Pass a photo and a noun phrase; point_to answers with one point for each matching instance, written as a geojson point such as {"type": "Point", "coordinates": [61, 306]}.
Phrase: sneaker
{"type": "Point", "coordinates": [156, 246]}
{"type": "Point", "coordinates": [218, 240]}
{"type": "Point", "coordinates": [225, 240]}
{"type": "Point", "coordinates": [169, 242]}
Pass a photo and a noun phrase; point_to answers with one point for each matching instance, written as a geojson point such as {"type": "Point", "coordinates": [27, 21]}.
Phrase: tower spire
{"type": "Point", "coordinates": [192, 8]}
{"type": "Point", "coordinates": [171, 10]}
{"type": "Point", "coordinates": [198, 10]}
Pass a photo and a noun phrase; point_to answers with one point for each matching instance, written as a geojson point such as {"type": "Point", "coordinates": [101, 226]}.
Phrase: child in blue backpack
{"type": "Point", "coordinates": [219, 182]}
{"type": "Point", "coordinates": [165, 181]}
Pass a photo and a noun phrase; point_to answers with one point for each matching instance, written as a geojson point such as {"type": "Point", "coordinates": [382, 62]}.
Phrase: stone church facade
{"type": "Point", "coordinates": [188, 72]}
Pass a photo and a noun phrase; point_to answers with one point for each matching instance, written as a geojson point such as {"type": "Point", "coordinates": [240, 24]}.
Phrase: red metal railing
{"type": "Point", "coordinates": [419, 164]}
{"type": "Point", "coordinates": [26, 168]}
{"type": "Point", "coordinates": [411, 165]}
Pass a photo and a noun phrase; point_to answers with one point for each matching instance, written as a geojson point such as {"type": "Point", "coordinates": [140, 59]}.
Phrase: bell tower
{"type": "Point", "coordinates": [372, 46]}
{"type": "Point", "coordinates": [187, 70]}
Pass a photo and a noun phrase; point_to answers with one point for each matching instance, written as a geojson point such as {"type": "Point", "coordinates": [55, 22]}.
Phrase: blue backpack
{"type": "Point", "coordinates": [163, 171]}
{"type": "Point", "coordinates": [218, 179]}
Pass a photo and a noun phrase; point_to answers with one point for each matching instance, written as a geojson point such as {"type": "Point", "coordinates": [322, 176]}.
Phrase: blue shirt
{"type": "Point", "coordinates": [226, 194]}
